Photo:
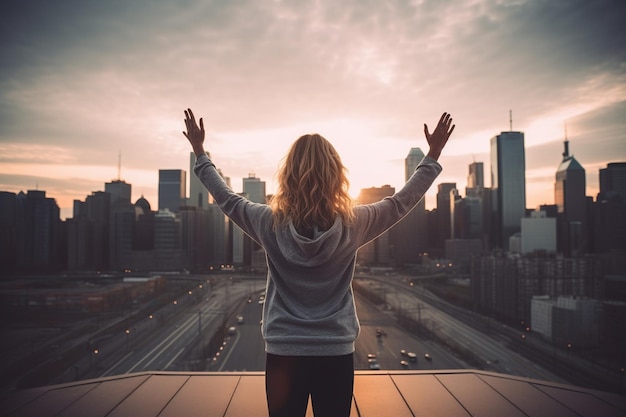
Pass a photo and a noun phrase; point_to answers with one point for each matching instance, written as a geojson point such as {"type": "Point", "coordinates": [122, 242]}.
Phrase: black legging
{"type": "Point", "coordinates": [290, 379]}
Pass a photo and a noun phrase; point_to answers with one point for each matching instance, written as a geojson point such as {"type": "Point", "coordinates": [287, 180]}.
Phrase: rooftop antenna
{"type": "Point", "coordinates": [510, 120]}
{"type": "Point", "coordinates": [565, 143]}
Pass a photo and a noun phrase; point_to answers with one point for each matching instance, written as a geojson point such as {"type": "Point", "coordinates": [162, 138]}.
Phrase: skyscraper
{"type": "Point", "coordinates": [475, 204]}
{"type": "Point", "coordinates": [444, 221]}
{"type": "Point", "coordinates": [8, 230]}
{"type": "Point", "coordinates": [121, 222]}
{"type": "Point", "coordinates": [198, 194]}
{"type": "Point", "coordinates": [254, 188]}
{"type": "Point", "coordinates": [613, 182]}
{"type": "Point", "coordinates": [571, 202]}
{"type": "Point", "coordinates": [376, 252]}
{"type": "Point", "coordinates": [408, 238]}
{"type": "Point", "coordinates": [38, 225]}
{"type": "Point", "coordinates": [610, 213]}
{"type": "Point", "coordinates": [172, 189]}
{"type": "Point", "coordinates": [475, 178]}
{"type": "Point", "coordinates": [88, 233]}
{"type": "Point", "coordinates": [508, 186]}
{"type": "Point", "coordinates": [119, 190]}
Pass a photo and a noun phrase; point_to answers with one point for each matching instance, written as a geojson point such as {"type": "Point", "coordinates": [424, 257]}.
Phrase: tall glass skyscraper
{"type": "Point", "coordinates": [172, 189]}
{"type": "Point", "coordinates": [508, 186]}
{"type": "Point", "coordinates": [571, 202]}
{"type": "Point", "coordinates": [408, 239]}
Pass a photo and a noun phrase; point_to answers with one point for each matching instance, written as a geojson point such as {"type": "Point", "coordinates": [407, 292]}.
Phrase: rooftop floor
{"type": "Point", "coordinates": [376, 393]}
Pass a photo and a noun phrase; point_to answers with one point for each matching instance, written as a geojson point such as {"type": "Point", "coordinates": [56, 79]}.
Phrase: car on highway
{"type": "Point", "coordinates": [232, 330]}
{"type": "Point", "coordinates": [428, 357]}
{"type": "Point", "coordinates": [404, 364]}
{"type": "Point", "coordinates": [412, 356]}
{"type": "Point", "coordinates": [373, 364]}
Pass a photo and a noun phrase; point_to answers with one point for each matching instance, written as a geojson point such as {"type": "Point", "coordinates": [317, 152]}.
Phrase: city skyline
{"type": "Point", "coordinates": [83, 83]}
{"type": "Point", "coordinates": [153, 200]}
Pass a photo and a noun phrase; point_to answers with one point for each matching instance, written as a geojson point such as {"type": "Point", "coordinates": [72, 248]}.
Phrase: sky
{"type": "Point", "coordinates": [87, 87]}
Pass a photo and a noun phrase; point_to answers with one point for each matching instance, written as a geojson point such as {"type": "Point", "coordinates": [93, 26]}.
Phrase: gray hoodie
{"type": "Point", "coordinates": [309, 306]}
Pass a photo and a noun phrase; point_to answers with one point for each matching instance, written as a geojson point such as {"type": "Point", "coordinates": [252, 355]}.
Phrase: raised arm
{"type": "Point", "coordinates": [194, 134]}
{"type": "Point", "coordinates": [438, 139]}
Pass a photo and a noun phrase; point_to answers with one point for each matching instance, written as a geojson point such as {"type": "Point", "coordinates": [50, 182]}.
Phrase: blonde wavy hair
{"type": "Point", "coordinates": [312, 186]}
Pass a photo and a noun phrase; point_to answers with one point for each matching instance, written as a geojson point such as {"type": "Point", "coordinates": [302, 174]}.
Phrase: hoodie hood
{"type": "Point", "coordinates": [303, 251]}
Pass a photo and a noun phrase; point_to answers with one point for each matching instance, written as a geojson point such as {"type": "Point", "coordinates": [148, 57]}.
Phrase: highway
{"type": "Point", "coordinates": [190, 334]}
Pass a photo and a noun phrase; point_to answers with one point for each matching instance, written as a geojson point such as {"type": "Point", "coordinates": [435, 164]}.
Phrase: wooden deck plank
{"type": "Point", "coordinates": [53, 401]}
{"type": "Point", "coordinates": [583, 403]}
{"type": "Point", "coordinates": [202, 396]}
{"type": "Point", "coordinates": [151, 397]}
{"type": "Point", "coordinates": [17, 399]}
{"type": "Point", "coordinates": [527, 397]}
{"type": "Point", "coordinates": [478, 398]}
{"type": "Point", "coordinates": [377, 395]}
{"type": "Point", "coordinates": [104, 397]}
{"type": "Point", "coordinates": [616, 400]}
{"type": "Point", "coordinates": [426, 396]}
{"type": "Point", "coordinates": [249, 398]}
{"type": "Point", "coordinates": [396, 393]}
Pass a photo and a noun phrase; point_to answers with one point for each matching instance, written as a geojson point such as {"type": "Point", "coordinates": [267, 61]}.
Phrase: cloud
{"type": "Point", "coordinates": [89, 79]}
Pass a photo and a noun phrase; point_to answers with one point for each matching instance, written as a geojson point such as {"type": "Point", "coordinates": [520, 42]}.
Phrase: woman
{"type": "Point", "coordinates": [311, 233]}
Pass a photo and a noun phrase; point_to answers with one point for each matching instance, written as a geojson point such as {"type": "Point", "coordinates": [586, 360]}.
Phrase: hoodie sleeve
{"type": "Point", "coordinates": [374, 219]}
{"type": "Point", "coordinates": [249, 216]}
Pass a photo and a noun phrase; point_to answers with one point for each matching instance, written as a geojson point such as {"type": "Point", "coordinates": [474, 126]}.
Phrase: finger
{"type": "Point", "coordinates": [201, 124]}
{"type": "Point", "coordinates": [426, 131]}
{"type": "Point", "coordinates": [451, 130]}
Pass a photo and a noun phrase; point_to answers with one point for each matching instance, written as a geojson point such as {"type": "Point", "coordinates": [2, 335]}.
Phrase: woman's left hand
{"type": "Point", "coordinates": [194, 134]}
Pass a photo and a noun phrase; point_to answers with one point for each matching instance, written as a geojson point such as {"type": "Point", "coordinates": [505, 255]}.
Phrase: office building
{"type": "Point", "coordinates": [119, 190]}
{"type": "Point", "coordinates": [538, 233]}
{"type": "Point", "coordinates": [172, 189]}
{"type": "Point", "coordinates": [571, 202]}
{"type": "Point", "coordinates": [408, 238]}
{"type": "Point", "coordinates": [378, 251]}
{"type": "Point", "coordinates": [8, 231]}
{"type": "Point", "coordinates": [88, 233]}
{"type": "Point", "coordinates": [254, 188]}
{"type": "Point", "coordinates": [508, 186]}
{"type": "Point", "coordinates": [253, 254]}
{"type": "Point", "coordinates": [38, 232]}
{"type": "Point", "coordinates": [478, 205]}
{"type": "Point", "coordinates": [475, 177]}
{"type": "Point", "coordinates": [567, 320]}
{"type": "Point", "coordinates": [444, 213]}
{"type": "Point", "coordinates": [167, 241]}
{"type": "Point", "coordinates": [143, 233]}
{"type": "Point", "coordinates": [609, 215]}
{"type": "Point", "coordinates": [198, 194]}
{"type": "Point", "coordinates": [121, 222]}
{"type": "Point", "coordinates": [613, 182]}
{"type": "Point", "coordinates": [503, 285]}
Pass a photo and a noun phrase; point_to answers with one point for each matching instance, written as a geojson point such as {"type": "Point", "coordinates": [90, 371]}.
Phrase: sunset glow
{"type": "Point", "coordinates": [82, 82]}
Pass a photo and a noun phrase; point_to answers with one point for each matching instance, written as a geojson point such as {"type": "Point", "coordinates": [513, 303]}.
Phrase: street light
{"type": "Point", "coordinates": [95, 356]}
